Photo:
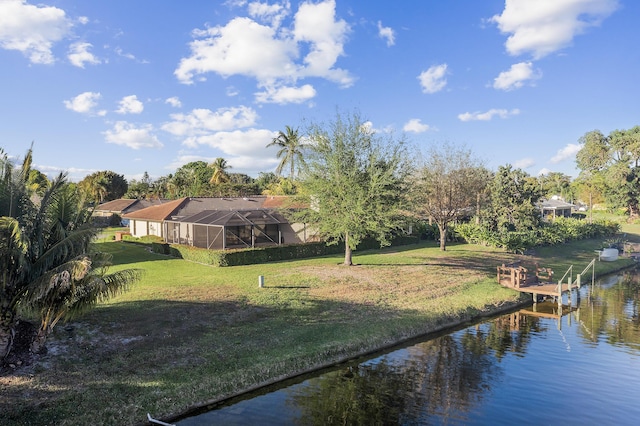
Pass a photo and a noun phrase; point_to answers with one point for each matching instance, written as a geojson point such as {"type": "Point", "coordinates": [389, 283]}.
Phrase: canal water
{"type": "Point", "coordinates": [576, 365]}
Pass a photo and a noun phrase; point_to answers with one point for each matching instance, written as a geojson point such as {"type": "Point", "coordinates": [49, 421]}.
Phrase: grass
{"type": "Point", "coordinates": [109, 233]}
{"type": "Point", "coordinates": [189, 333]}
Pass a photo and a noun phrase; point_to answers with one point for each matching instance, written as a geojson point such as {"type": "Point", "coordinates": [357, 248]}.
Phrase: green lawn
{"type": "Point", "coordinates": [188, 333]}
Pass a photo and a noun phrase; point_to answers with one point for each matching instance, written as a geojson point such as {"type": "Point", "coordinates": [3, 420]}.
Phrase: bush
{"type": "Point", "coordinates": [559, 231]}
{"type": "Point", "coordinates": [272, 254]}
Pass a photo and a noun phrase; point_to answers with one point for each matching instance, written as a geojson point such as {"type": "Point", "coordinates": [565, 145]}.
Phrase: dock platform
{"type": "Point", "coordinates": [539, 281]}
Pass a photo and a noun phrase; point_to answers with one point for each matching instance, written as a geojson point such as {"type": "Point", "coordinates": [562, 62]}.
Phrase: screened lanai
{"type": "Point", "coordinates": [219, 229]}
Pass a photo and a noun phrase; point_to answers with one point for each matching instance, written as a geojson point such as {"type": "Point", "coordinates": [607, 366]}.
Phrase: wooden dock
{"type": "Point", "coordinates": [539, 281]}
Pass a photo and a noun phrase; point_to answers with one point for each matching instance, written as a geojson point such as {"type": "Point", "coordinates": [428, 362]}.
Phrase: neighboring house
{"type": "Point", "coordinates": [149, 221]}
{"type": "Point", "coordinates": [555, 208]}
{"type": "Point", "coordinates": [123, 206]}
{"type": "Point", "coordinates": [220, 223]}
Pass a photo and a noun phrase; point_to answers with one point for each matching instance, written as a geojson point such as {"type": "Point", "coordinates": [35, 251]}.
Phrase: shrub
{"type": "Point", "coordinates": [549, 233]}
{"type": "Point", "coordinates": [270, 254]}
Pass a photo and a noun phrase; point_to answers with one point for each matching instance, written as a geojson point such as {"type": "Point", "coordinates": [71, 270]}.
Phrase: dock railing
{"type": "Point", "coordinates": [591, 265]}
{"type": "Point", "coordinates": [570, 273]}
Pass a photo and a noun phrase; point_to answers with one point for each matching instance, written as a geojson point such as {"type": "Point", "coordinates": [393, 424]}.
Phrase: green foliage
{"type": "Point", "coordinates": [291, 150]}
{"type": "Point", "coordinates": [557, 232]}
{"type": "Point", "coordinates": [103, 186]}
{"type": "Point", "coordinates": [614, 162]}
{"type": "Point", "coordinates": [514, 195]}
{"type": "Point", "coordinates": [449, 182]}
{"type": "Point", "coordinates": [45, 258]}
{"type": "Point", "coordinates": [354, 183]}
{"type": "Point", "coordinates": [268, 254]}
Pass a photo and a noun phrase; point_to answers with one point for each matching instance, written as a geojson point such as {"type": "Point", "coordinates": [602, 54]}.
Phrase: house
{"type": "Point", "coordinates": [123, 206]}
{"type": "Point", "coordinates": [555, 208]}
{"type": "Point", "coordinates": [220, 223]}
{"type": "Point", "coordinates": [149, 221]}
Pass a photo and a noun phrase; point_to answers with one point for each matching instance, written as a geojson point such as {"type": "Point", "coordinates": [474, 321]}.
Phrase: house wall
{"type": "Point", "coordinates": [295, 233]}
{"type": "Point", "coordinates": [141, 228]}
{"type": "Point", "coordinates": [178, 233]}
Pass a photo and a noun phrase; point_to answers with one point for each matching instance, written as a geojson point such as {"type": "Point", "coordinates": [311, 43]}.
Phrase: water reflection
{"type": "Point", "coordinates": [523, 366]}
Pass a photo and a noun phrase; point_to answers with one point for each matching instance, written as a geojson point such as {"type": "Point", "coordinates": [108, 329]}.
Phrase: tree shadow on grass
{"type": "Point", "coordinates": [153, 353]}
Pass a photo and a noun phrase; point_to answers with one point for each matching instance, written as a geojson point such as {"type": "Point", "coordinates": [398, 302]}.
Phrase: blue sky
{"type": "Point", "coordinates": [135, 86]}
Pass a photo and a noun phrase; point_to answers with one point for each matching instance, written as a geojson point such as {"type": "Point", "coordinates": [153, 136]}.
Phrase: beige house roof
{"type": "Point", "coordinates": [157, 213]}
{"type": "Point", "coordinates": [116, 206]}
{"type": "Point", "coordinates": [126, 205]}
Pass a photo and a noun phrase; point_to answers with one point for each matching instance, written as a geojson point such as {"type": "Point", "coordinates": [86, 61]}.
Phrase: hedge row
{"type": "Point", "coordinates": [265, 254]}
{"type": "Point", "coordinates": [558, 231]}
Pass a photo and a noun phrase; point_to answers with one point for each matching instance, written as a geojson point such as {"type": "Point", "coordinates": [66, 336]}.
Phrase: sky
{"type": "Point", "coordinates": [148, 86]}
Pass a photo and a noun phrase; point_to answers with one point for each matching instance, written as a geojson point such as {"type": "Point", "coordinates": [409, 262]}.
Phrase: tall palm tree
{"type": "Point", "coordinates": [220, 175]}
{"type": "Point", "coordinates": [291, 150]}
{"type": "Point", "coordinates": [47, 265]}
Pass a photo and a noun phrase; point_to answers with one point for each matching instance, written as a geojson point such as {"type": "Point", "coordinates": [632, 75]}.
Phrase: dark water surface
{"type": "Point", "coordinates": [521, 368]}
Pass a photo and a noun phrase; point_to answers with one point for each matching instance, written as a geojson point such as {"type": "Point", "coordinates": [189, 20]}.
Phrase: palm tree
{"type": "Point", "coordinates": [220, 175]}
{"type": "Point", "coordinates": [291, 150]}
{"type": "Point", "coordinates": [46, 262]}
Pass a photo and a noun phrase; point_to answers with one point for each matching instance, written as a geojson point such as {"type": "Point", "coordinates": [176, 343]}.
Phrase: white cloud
{"type": "Point", "coordinates": [270, 13]}
{"type": "Point", "coordinates": [32, 30]}
{"type": "Point", "coordinates": [517, 75]}
{"type": "Point", "coordinates": [79, 54]}
{"type": "Point", "coordinates": [415, 126]}
{"type": "Point", "coordinates": [544, 171]}
{"type": "Point", "coordinates": [488, 115]}
{"type": "Point", "coordinates": [241, 47]}
{"type": "Point", "coordinates": [542, 27]}
{"type": "Point", "coordinates": [85, 103]}
{"type": "Point", "coordinates": [524, 163]}
{"type": "Point", "coordinates": [122, 53]}
{"type": "Point", "coordinates": [316, 24]}
{"type": "Point", "coordinates": [286, 95]}
{"type": "Point", "coordinates": [74, 174]}
{"type": "Point", "coordinates": [204, 121]}
{"type": "Point", "coordinates": [271, 55]}
{"type": "Point", "coordinates": [565, 153]}
{"type": "Point", "coordinates": [249, 142]}
{"type": "Point", "coordinates": [130, 105]}
{"type": "Point", "coordinates": [241, 163]}
{"type": "Point", "coordinates": [386, 33]}
{"type": "Point", "coordinates": [174, 101]}
{"type": "Point", "coordinates": [433, 80]}
{"type": "Point", "coordinates": [132, 136]}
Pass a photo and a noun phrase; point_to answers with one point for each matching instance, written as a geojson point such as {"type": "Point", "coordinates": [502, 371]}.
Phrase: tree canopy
{"type": "Point", "coordinates": [615, 161]}
{"type": "Point", "coordinates": [291, 150]}
{"type": "Point", "coordinates": [514, 195]}
{"type": "Point", "coordinates": [354, 183]}
{"type": "Point", "coordinates": [48, 267]}
{"type": "Point", "coordinates": [448, 186]}
{"type": "Point", "coordinates": [103, 186]}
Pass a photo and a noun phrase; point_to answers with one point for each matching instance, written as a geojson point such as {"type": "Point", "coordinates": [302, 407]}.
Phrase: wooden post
{"type": "Point", "coordinates": [578, 279]}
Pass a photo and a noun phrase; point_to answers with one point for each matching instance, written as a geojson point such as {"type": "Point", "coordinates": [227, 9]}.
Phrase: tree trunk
{"type": "Point", "coordinates": [37, 344]}
{"type": "Point", "coordinates": [347, 251]}
{"type": "Point", "coordinates": [443, 237]}
{"type": "Point", "coordinates": [7, 333]}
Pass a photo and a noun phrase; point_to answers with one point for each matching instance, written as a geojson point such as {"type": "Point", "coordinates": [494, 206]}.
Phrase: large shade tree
{"type": "Point", "coordinates": [354, 182]}
{"type": "Point", "coordinates": [448, 186]}
{"type": "Point", "coordinates": [514, 198]}
{"type": "Point", "coordinates": [615, 160]}
{"type": "Point", "coordinates": [48, 268]}
{"type": "Point", "coordinates": [102, 186]}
